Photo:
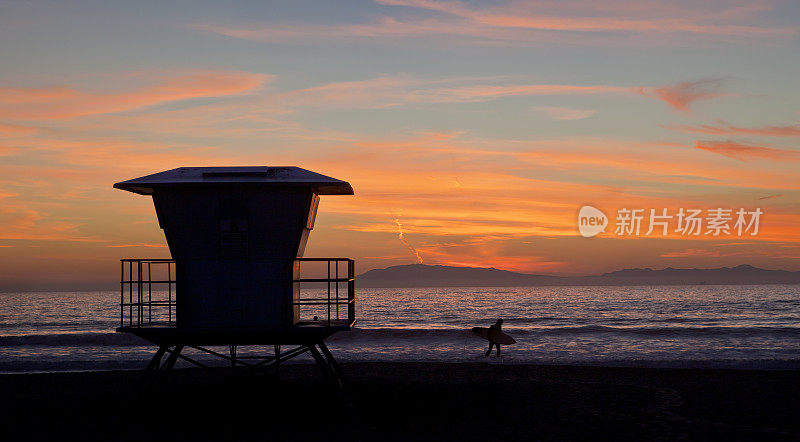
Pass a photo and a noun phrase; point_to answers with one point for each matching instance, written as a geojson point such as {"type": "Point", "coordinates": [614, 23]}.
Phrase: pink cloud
{"type": "Point", "coordinates": [681, 96]}
{"type": "Point", "coordinates": [743, 152]}
{"type": "Point", "coordinates": [61, 102]}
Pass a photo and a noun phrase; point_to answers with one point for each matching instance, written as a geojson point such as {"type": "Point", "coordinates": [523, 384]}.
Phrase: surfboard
{"type": "Point", "coordinates": [496, 337]}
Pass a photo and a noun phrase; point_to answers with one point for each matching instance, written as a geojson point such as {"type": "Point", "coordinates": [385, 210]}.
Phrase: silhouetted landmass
{"type": "Point", "coordinates": [421, 275]}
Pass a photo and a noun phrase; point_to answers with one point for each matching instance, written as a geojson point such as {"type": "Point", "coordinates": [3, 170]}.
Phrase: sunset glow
{"type": "Point", "coordinates": [471, 134]}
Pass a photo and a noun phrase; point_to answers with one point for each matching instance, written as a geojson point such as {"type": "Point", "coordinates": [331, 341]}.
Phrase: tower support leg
{"type": "Point", "coordinates": [277, 348]}
{"type": "Point", "coordinates": [156, 372]}
{"type": "Point", "coordinates": [155, 363]}
{"type": "Point", "coordinates": [150, 373]}
{"type": "Point", "coordinates": [332, 372]}
{"type": "Point", "coordinates": [335, 368]}
{"type": "Point", "coordinates": [169, 363]}
{"type": "Point", "coordinates": [233, 356]}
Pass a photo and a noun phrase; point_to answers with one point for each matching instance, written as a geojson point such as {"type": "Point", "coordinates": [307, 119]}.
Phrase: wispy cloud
{"type": "Point", "coordinates": [744, 152]}
{"type": "Point", "coordinates": [87, 160]}
{"type": "Point", "coordinates": [397, 90]}
{"type": "Point", "coordinates": [404, 90]}
{"type": "Point", "coordinates": [585, 16]}
{"type": "Point", "coordinates": [264, 111]}
{"type": "Point", "coordinates": [64, 102]}
{"type": "Point", "coordinates": [20, 221]}
{"type": "Point", "coordinates": [579, 22]}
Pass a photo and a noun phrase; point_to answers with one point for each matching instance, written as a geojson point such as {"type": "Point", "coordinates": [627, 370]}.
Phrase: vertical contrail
{"type": "Point", "coordinates": [403, 240]}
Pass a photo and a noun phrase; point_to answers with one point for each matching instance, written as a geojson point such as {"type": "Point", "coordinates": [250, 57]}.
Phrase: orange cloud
{"type": "Point", "coordinates": [727, 129]}
{"type": "Point", "coordinates": [743, 152]}
{"type": "Point", "coordinates": [493, 252]}
{"type": "Point", "coordinates": [445, 188]}
{"type": "Point", "coordinates": [691, 252]}
{"type": "Point", "coordinates": [489, 195]}
{"type": "Point", "coordinates": [21, 222]}
{"type": "Point", "coordinates": [682, 95]}
{"type": "Point", "coordinates": [60, 102]}
{"type": "Point", "coordinates": [601, 159]}
{"type": "Point", "coordinates": [525, 264]}
{"type": "Point", "coordinates": [88, 160]}
{"type": "Point", "coordinates": [462, 199]}
{"type": "Point", "coordinates": [56, 187]}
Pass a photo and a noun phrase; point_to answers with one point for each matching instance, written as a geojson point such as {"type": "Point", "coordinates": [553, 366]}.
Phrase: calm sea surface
{"type": "Point", "coordinates": [675, 326]}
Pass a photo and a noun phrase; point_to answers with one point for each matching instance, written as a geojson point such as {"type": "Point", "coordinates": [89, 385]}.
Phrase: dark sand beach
{"type": "Point", "coordinates": [409, 401]}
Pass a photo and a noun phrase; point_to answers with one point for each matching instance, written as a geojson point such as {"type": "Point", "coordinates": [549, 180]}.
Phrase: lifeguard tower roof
{"type": "Point", "coordinates": [280, 176]}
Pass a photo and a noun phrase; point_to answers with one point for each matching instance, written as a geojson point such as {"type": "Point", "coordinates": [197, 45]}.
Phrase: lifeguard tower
{"type": "Point", "coordinates": [236, 236]}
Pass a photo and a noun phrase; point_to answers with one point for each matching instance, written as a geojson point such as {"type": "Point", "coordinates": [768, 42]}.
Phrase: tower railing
{"type": "Point", "coordinates": [147, 292]}
{"type": "Point", "coordinates": [334, 305]}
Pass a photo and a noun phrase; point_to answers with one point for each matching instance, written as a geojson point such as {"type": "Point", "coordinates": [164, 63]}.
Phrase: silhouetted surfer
{"type": "Point", "coordinates": [494, 335]}
{"type": "Point", "coordinates": [494, 332]}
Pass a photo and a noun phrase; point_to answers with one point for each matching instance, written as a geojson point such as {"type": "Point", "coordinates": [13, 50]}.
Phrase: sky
{"type": "Point", "coordinates": [472, 132]}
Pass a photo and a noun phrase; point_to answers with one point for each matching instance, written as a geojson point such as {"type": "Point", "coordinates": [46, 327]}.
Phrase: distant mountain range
{"type": "Point", "coordinates": [421, 275]}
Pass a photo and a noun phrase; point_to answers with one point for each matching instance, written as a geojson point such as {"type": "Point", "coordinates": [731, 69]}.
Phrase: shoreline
{"type": "Point", "coordinates": [409, 400]}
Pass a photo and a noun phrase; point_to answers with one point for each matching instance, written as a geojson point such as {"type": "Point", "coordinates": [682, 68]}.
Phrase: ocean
{"type": "Point", "coordinates": [747, 327]}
